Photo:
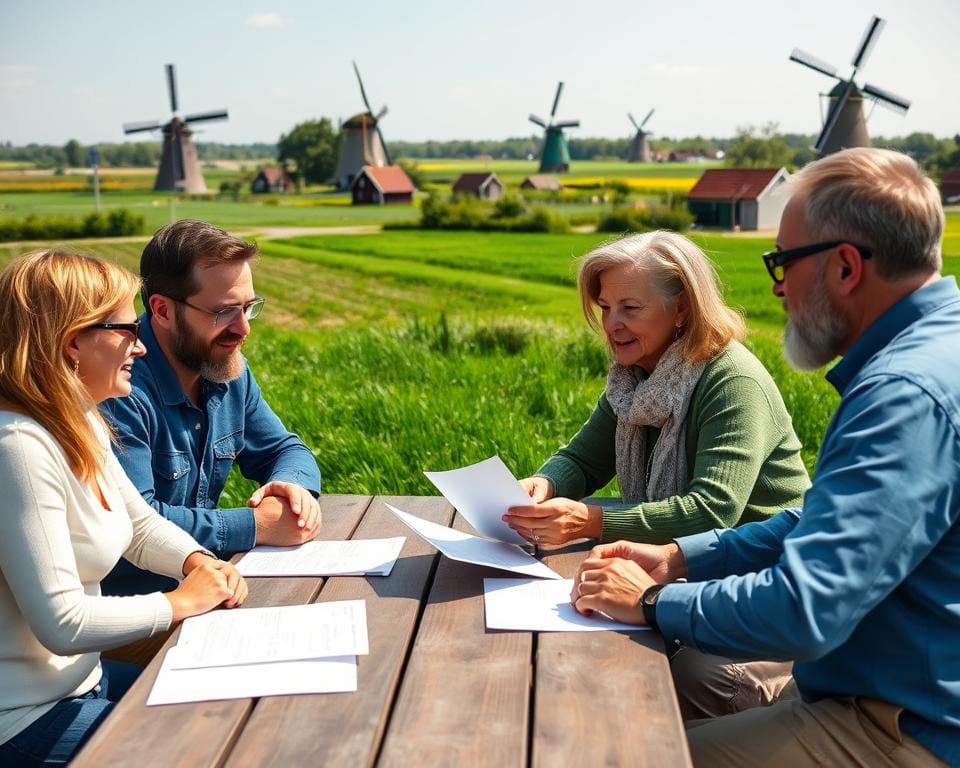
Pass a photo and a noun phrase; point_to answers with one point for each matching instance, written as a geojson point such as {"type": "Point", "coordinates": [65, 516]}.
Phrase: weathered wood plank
{"type": "Point", "coordinates": [346, 729]}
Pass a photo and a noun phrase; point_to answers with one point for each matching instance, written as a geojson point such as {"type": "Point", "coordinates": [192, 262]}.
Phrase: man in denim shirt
{"type": "Point", "coordinates": [860, 588]}
{"type": "Point", "coordinates": [196, 409]}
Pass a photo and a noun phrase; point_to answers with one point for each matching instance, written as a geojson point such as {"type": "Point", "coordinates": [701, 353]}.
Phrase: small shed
{"type": "Point", "coordinates": [271, 179]}
{"type": "Point", "coordinates": [485, 185]}
{"type": "Point", "coordinates": [542, 182]}
{"type": "Point", "coordinates": [379, 186]}
{"type": "Point", "coordinates": [739, 198]}
{"type": "Point", "coordinates": [950, 186]}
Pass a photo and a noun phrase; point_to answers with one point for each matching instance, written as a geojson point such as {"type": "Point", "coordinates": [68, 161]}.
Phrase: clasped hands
{"type": "Point", "coordinates": [286, 514]}
{"type": "Point", "coordinates": [553, 521]}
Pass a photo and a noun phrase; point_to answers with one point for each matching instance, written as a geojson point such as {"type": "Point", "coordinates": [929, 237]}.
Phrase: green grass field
{"type": "Point", "coordinates": [404, 351]}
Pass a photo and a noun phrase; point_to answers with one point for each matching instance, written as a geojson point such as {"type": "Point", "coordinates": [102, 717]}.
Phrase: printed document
{"type": "Point", "coordinates": [357, 557]}
{"type": "Point", "coordinates": [461, 546]}
{"type": "Point", "coordinates": [541, 606]}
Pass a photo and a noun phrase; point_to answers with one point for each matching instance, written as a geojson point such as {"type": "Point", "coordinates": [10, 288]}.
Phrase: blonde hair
{"type": "Point", "coordinates": [675, 266]}
{"type": "Point", "coordinates": [46, 298]}
{"type": "Point", "coordinates": [879, 198]}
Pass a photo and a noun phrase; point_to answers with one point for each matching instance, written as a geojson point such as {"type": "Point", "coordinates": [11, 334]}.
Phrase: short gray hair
{"type": "Point", "coordinates": [877, 198]}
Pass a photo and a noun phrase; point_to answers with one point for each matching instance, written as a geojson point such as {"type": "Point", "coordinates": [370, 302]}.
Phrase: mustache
{"type": "Point", "coordinates": [230, 338]}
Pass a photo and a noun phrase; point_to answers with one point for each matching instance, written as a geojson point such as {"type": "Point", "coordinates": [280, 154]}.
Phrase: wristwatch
{"type": "Point", "coordinates": [648, 602]}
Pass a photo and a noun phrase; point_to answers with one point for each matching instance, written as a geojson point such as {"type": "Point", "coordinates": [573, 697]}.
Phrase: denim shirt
{"type": "Point", "coordinates": [178, 454]}
{"type": "Point", "coordinates": [861, 588]}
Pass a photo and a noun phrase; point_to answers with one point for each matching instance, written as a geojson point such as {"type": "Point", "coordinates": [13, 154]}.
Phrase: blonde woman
{"type": "Point", "coordinates": [690, 422]}
{"type": "Point", "coordinates": [68, 336]}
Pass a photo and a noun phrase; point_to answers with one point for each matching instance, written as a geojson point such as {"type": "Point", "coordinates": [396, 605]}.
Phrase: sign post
{"type": "Point", "coordinates": [93, 156]}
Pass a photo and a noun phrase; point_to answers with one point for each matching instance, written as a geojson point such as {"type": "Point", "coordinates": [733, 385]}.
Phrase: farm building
{"type": "Point", "coordinates": [386, 184]}
{"type": "Point", "coordinates": [271, 179]}
{"type": "Point", "coordinates": [950, 185]}
{"type": "Point", "coordinates": [739, 198]}
{"type": "Point", "coordinates": [485, 185]}
{"type": "Point", "coordinates": [542, 182]}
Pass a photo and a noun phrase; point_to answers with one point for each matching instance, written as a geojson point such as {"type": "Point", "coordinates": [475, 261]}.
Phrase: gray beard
{"type": "Point", "coordinates": [814, 334]}
{"type": "Point", "coordinates": [194, 353]}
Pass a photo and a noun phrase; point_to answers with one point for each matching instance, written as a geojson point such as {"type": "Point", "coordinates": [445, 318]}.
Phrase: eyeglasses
{"type": "Point", "coordinates": [228, 315]}
{"type": "Point", "coordinates": [132, 328]}
{"type": "Point", "coordinates": [776, 260]}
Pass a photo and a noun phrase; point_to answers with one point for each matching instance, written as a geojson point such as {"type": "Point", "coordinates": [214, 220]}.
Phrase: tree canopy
{"type": "Point", "coordinates": [312, 147]}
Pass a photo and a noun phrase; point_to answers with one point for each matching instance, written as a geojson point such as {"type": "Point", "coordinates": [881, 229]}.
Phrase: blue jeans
{"type": "Point", "coordinates": [57, 736]}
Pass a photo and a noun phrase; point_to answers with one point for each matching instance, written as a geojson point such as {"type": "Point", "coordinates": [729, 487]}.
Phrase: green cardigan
{"type": "Point", "coordinates": [743, 454]}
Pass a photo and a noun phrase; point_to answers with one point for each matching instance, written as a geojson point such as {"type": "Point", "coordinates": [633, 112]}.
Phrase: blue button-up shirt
{"type": "Point", "coordinates": [861, 589]}
{"type": "Point", "coordinates": [178, 454]}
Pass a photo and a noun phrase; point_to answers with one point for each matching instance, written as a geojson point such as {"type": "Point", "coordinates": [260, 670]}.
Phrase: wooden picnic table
{"type": "Point", "coordinates": [437, 687]}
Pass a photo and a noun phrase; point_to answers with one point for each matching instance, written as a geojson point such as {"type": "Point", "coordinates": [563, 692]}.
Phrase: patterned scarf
{"type": "Point", "coordinates": [660, 400]}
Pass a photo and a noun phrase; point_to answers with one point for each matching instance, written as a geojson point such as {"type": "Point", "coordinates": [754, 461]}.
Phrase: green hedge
{"type": "Point", "coordinates": [116, 223]}
{"type": "Point", "coordinates": [646, 219]}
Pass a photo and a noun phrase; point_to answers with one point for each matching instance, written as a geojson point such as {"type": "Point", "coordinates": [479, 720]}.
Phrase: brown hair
{"type": "Point", "coordinates": [675, 266]}
{"type": "Point", "coordinates": [46, 298]}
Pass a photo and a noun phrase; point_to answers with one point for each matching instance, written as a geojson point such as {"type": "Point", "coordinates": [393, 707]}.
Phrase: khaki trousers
{"type": "Point", "coordinates": [831, 732]}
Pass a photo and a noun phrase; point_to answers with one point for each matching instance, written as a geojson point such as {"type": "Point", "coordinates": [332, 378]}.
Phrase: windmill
{"type": "Point", "coordinates": [845, 125]}
{"type": "Point", "coordinates": [555, 156]}
{"type": "Point", "coordinates": [639, 147]}
{"type": "Point", "coordinates": [361, 142]}
{"type": "Point", "coordinates": [179, 168]}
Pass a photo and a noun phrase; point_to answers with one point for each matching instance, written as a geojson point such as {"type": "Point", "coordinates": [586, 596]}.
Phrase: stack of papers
{"type": "Point", "coordinates": [264, 652]}
{"type": "Point", "coordinates": [358, 557]}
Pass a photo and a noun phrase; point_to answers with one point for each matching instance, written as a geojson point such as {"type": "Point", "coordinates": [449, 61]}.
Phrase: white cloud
{"type": "Point", "coordinates": [266, 20]}
{"type": "Point", "coordinates": [17, 77]}
{"type": "Point", "coordinates": [679, 71]}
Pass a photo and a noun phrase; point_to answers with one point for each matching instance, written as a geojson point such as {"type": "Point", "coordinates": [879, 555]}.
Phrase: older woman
{"type": "Point", "coordinates": [690, 421]}
{"type": "Point", "coordinates": [68, 336]}
{"type": "Point", "coordinates": [691, 424]}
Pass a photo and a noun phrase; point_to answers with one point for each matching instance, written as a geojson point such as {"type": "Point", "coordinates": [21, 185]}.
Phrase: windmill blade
{"type": "Point", "coordinates": [567, 124]}
{"type": "Point", "coordinates": [386, 152]}
{"type": "Point", "coordinates": [802, 57]}
{"type": "Point", "coordinates": [143, 125]}
{"type": "Point", "coordinates": [556, 100]}
{"type": "Point", "coordinates": [380, 115]}
{"type": "Point", "coordinates": [363, 93]}
{"type": "Point", "coordinates": [868, 41]}
{"type": "Point", "coordinates": [833, 117]}
{"type": "Point", "coordinates": [887, 99]}
{"type": "Point", "coordinates": [201, 116]}
{"type": "Point", "coordinates": [538, 120]}
{"type": "Point", "coordinates": [649, 115]}
{"type": "Point", "coordinates": [633, 121]}
{"type": "Point", "coordinates": [172, 87]}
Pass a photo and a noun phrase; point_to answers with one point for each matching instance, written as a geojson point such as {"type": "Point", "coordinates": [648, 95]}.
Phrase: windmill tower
{"type": "Point", "coordinates": [639, 147]}
{"type": "Point", "coordinates": [361, 142]}
{"type": "Point", "coordinates": [845, 125]}
{"type": "Point", "coordinates": [179, 168]}
{"type": "Point", "coordinates": [555, 156]}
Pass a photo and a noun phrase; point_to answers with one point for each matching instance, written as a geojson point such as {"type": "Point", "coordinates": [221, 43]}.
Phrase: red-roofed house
{"type": "Point", "coordinates": [485, 184]}
{"type": "Point", "coordinates": [271, 179]}
{"type": "Point", "coordinates": [739, 198]}
{"type": "Point", "coordinates": [388, 184]}
{"type": "Point", "coordinates": [950, 186]}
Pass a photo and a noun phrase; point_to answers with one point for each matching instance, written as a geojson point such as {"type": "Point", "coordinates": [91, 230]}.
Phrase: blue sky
{"type": "Point", "coordinates": [453, 69]}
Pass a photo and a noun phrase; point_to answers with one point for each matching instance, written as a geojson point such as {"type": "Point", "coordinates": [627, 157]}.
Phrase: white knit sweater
{"type": "Point", "coordinates": [56, 543]}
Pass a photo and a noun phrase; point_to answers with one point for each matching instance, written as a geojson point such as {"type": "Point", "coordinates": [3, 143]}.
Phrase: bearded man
{"type": "Point", "coordinates": [196, 410]}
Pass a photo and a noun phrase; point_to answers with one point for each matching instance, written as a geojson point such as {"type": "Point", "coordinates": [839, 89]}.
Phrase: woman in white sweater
{"type": "Point", "coordinates": [68, 336]}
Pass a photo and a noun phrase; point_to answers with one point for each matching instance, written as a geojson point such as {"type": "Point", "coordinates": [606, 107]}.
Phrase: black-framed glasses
{"type": "Point", "coordinates": [132, 328]}
{"type": "Point", "coordinates": [228, 315]}
{"type": "Point", "coordinates": [776, 260]}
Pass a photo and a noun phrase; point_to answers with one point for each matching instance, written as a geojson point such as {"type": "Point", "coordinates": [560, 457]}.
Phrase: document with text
{"type": "Point", "coordinates": [540, 606]}
{"type": "Point", "coordinates": [461, 546]}
{"type": "Point", "coordinates": [285, 633]}
{"type": "Point", "coordinates": [357, 557]}
{"type": "Point", "coordinates": [482, 493]}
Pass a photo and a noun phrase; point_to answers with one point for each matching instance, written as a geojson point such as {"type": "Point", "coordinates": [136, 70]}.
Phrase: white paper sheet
{"type": "Point", "coordinates": [471, 549]}
{"type": "Point", "coordinates": [174, 686]}
{"type": "Point", "coordinates": [482, 493]}
{"type": "Point", "coordinates": [285, 633]}
{"type": "Point", "coordinates": [357, 557]}
{"type": "Point", "coordinates": [542, 606]}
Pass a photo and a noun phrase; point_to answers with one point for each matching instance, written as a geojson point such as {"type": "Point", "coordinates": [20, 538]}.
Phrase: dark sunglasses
{"type": "Point", "coordinates": [132, 328]}
{"type": "Point", "coordinates": [775, 260]}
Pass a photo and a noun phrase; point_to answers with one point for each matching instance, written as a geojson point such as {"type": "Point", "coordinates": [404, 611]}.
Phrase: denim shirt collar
{"type": "Point", "coordinates": [167, 381]}
{"type": "Point", "coordinates": [881, 332]}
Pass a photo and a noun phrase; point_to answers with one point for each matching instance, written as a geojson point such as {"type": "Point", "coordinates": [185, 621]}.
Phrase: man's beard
{"type": "Point", "coordinates": [815, 331]}
{"type": "Point", "coordinates": [198, 355]}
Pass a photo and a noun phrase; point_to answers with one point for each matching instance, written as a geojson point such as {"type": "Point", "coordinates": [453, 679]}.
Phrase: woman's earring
{"type": "Point", "coordinates": [76, 365]}
{"type": "Point", "coordinates": [679, 330]}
